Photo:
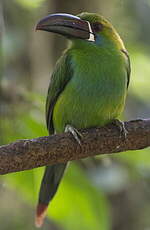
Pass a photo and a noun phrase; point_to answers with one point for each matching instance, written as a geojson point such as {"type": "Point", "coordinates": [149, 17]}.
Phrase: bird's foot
{"type": "Point", "coordinates": [76, 134]}
{"type": "Point", "coordinates": [121, 126]}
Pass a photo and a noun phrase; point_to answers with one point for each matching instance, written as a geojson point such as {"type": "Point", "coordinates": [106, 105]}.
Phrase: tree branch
{"type": "Point", "coordinates": [28, 154]}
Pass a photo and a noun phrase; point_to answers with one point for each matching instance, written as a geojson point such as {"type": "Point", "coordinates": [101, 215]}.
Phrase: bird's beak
{"type": "Point", "coordinates": [66, 24]}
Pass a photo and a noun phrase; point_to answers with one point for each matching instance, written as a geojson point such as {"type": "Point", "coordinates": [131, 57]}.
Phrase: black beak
{"type": "Point", "coordinates": [66, 24]}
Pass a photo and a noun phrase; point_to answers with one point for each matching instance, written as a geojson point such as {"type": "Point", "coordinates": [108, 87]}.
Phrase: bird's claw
{"type": "Point", "coordinates": [76, 134]}
{"type": "Point", "coordinates": [121, 126]}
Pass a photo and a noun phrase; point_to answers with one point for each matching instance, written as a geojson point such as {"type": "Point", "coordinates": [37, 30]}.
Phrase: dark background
{"type": "Point", "coordinates": [105, 193]}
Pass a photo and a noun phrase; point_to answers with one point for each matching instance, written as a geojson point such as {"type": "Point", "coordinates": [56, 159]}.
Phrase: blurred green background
{"type": "Point", "coordinates": [105, 193]}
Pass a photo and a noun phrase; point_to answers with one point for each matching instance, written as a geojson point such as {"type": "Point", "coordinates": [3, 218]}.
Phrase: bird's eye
{"type": "Point", "coordinates": [97, 26]}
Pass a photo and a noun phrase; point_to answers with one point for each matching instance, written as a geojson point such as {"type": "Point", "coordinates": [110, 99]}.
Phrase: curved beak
{"type": "Point", "coordinates": [66, 24]}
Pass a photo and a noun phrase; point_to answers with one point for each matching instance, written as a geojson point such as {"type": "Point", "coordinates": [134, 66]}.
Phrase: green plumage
{"type": "Point", "coordinates": [89, 83]}
{"type": "Point", "coordinates": [96, 89]}
{"type": "Point", "coordinates": [88, 87]}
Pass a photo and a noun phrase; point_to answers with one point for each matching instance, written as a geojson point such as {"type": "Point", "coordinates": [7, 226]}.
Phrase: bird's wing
{"type": "Point", "coordinates": [60, 77]}
{"type": "Point", "coordinates": [128, 66]}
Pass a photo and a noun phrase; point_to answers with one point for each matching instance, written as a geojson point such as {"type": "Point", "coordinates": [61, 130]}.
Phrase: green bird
{"type": "Point", "coordinates": [88, 86]}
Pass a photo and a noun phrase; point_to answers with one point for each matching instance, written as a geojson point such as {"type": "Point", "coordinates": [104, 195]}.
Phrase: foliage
{"type": "Point", "coordinates": [28, 4]}
{"type": "Point", "coordinates": [76, 199]}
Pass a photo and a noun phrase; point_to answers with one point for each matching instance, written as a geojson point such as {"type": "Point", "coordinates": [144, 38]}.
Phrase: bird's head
{"type": "Point", "coordinates": [88, 27]}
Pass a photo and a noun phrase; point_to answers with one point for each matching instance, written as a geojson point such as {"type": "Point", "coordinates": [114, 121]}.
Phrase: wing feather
{"type": "Point", "coordinates": [128, 66]}
{"type": "Point", "coordinates": [60, 77]}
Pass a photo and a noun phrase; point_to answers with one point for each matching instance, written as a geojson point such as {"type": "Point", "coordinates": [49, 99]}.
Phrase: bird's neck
{"type": "Point", "coordinates": [88, 50]}
{"type": "Point", "coordinates": [111, 42]}
{"type": "Point", "coordinates": [94, 61]}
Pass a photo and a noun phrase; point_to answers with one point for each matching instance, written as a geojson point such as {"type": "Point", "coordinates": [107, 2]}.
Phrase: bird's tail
{"type": "Point", "coordinates": [50, 182]}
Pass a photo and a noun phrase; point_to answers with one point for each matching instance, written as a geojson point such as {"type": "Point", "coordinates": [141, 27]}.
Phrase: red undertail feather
{"type": "Point", "coordinates": [40, 214]}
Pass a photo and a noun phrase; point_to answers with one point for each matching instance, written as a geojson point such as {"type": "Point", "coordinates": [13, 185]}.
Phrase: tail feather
{"type": "Point", "coordinates": [40, 214]}
{"type": "Point", "coordinates": [50, 182]}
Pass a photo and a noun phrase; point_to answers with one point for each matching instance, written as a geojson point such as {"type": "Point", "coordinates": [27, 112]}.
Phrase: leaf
{"type": "Point", "coordinates": [30, 4]}
{"type": "Point", "coordinates": [78, 200]}
{"type": "Point", "coordinates": [137, 158]}
{"type": "Point", "coordinates": [140, 76]}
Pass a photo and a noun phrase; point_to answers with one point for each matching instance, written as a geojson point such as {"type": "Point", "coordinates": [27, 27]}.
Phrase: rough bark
{"type": "Point", "coordinates": [28, 154]}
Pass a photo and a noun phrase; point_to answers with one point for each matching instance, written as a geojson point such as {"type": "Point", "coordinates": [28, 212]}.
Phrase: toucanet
{"type": "Point", "coordinates": [88, 86]}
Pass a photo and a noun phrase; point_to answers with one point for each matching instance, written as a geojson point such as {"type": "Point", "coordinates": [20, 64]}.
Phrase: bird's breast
{"type": "Point", "coordinates": [94, 96]}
